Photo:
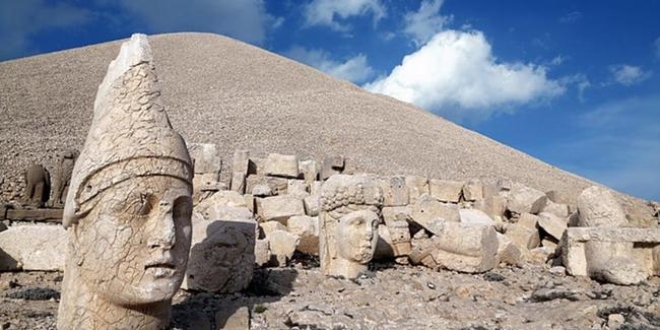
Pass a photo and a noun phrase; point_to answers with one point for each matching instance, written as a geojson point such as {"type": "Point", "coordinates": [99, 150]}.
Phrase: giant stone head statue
{"type": "Point", "coordinates": [128, 209]}
{"type": "Point", "coordinates": [350, 214]}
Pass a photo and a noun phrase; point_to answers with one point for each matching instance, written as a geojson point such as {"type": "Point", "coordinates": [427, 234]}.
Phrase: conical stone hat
{"type": "Point", "coordinates": [130, 135]}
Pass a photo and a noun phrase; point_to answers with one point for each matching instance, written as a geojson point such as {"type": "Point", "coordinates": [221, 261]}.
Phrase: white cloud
{"type": "Point", "coordinates": [423, 24]}
{"type": "Point", "coordinates": [580, 81]}
{"type": "Point", "coordinates": [456, 74]}
{"type": "Point", "coordinates": [355, 69]}
{"type": "Point", "coordinates": [19, 20]}
{"type": "Point", "coordinates": [326, 12]}
{"type": "Point", "coordinates": [246, 20]}
{"type": "Point", "coordinates": [628, 75]}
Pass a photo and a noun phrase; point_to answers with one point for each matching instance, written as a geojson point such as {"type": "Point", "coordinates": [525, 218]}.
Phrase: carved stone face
{"type": "Point", "coordinates": [133, 246]}
{"type": "Point", "coordinates": [357, 235]}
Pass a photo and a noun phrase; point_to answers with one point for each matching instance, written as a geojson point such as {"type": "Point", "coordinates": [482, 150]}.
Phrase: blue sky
{"type": "Point", "coordinates": [574, 83]}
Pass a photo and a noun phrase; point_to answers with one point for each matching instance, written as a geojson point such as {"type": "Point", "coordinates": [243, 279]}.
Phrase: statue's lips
{"type": "Point", "coordinates": [161, 268]}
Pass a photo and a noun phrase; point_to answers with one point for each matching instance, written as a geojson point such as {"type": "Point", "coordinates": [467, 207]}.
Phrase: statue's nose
{"type": "Point", "coordinates": [163, 233]}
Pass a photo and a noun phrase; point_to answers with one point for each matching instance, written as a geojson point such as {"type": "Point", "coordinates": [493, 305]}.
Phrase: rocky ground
{"type": "Point", "coordinates": [390, 297]}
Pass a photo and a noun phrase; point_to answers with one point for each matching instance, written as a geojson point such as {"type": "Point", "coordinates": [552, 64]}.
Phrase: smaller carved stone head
{"type": "Point", "coordinates": [350, 214]}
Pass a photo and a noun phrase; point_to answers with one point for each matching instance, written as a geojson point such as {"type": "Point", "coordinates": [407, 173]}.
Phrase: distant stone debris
{"type": "Point", "coordinates": [273, 205]}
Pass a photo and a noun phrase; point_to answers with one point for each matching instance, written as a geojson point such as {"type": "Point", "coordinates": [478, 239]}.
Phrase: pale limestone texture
{"type": "Point", "coordinates": [128, 210]}
{"type": "Point", "coordinates": [307, 228]}
{"type": "Point", "coordinates": [350, 214]}
{"type": "Point", "coordinates": [223, 250]}
{"type": "Point", "coordinates": [38, 247]}
{"type": "Point", "coordinates": [428, 210]}
{"type": "Point", "coordinates": [523, 199]}
{"type": "Point", "coordinates": [446, 190]}
{"type": "Point", "coordinates": [607, 260]}
{"type": "Point", "coordinates": [466, 248]}
{"type": "Point", "coordinates": [280, 208]}
{"type": "Point", "coordinates": [281, 165]}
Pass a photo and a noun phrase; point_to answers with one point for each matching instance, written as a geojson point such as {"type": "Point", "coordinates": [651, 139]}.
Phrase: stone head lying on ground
{"type": "Point", "coordinates": [128, 211]}
{"type": "Point", "coordinates": [350, 214]}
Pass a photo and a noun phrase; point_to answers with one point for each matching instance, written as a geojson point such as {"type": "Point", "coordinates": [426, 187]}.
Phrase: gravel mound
{"type": "Point", "coordinates": [219, 90]}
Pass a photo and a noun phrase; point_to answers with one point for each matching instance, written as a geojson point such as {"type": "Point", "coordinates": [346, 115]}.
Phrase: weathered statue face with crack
{"type": "Point", "coordinates": [351, 208]}
{"type": "Point", "coordinates": [132, 247]}
{"type": "Point", "coordinates": [129, 206]}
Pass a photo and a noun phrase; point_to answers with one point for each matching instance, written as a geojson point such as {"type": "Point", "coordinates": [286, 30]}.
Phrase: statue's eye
{"type": "Point", "coordinates": [140, 204]}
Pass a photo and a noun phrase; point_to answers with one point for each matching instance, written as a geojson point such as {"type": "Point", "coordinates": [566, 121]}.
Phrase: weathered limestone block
{"type": "Point", "coordinates": [282, 245]}
{"type": "Point", "coordinates": [507, 251]}
{"type": "Point", "coordinates": [428, 211]}
{"type": "Point", "coordinates": [607, 260]}
{"type": "Point", "coordinates": [262, 190]}
{"type": "Point", "coordinates": [504, 185]}
{"type": "Point", "coordinates": [270, 226]}
{"type": "Point", "coordinates": [315, 188]}
{"type": "Point", "coordinates": [332, 165]}
{"type": "Point", "coordinates": [307, 229]}
{"type": "Point", "coordinates": [223, 250]}
{"type": "Point", "coordinates": [421, 252]}
{"type": "Point", "coordinates": [475, 217]}
{"type": "Point", "coordinates": [349, 219]}
{"type": "Point", "coordinates": [417, 186]}
{"type": "Point", "coordinates": [285, 166]}
{"type": "Point", "coordinates": [33, 247]}
{"type": "Point", "coordinates": [494, 206]}
{"type": "Point", "coordinates": [446, 190]}
{"type": "Point", "coordinates": [640, 247]}
{"type": "Point", "coordinates": [523, 237]}
{"type": "Point", "coordinates": [128, 209]}
{"type": "Point", "coordinates": [395, 191]}
{"type": "Point", "coordinates": [552, 225]}
{"type": "Point", "coordinates": [277, 186]}
{"type": "Point", "coordinates": [239, 168]}
{"type": "Point", "coordinates": [397, 230]}
{"type": "Point", "coordinates": [309, 169]}
{"type": "Point", "coordinates": [529, 221]}
{"type": "Point", "coordinates": [280, 208]}
{"type": "Point", "coordinates": [311, 204]}
{"type": "Point", "coordinates": [261, 252]}
{"type": "Point", "coordinates": [560, 210]}
{"type": "Point", "coordinates": [559, 198]}
{"type": "Point", "coordinates": [206, 158]}
{"type": "Point", "coordinates": [523, 199]}
{"type": "Point", "coordinates": [297, 188]}
{"type": "Point", "coordinates": [466, 248]}
{"type": "Point", "coordinates": [233, 318]}
{"type": "Point", "coordinates": [37, 186]}
{"type": "Point", "coordinates": [473, 190]}
{"type": "Point", "coordinates": [220, 198]}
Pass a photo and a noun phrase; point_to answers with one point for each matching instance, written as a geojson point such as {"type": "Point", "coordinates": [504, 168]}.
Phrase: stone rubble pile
{"type": "Point", "coordinates": [269, 211]}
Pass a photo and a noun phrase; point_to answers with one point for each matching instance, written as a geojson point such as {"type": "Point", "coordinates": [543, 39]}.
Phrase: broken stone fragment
{"type": "Point", "coordinates": [428, 211]}
{"type": "Point", "coordinates": [552, 225]}
{"type": "Point", "coordinates": [446, 190]}
{"type": "Point", "coordinates": [309, 170]}
{"type": "Point", "coordinates": [523, 237]}
{"type": "Point", "coordinates": [270, 226]}
{"type": "Point", "coordinates": [282, 245]}
{"type": "Point", "coordinates": [278, 186]}
{"type": "Point", "coordinates": [466, 248]}
{"type": "Point", "coordinates": [33, 247]}
{"type": "Point", "coordinates": [240, 166]}
{"type": "Point", "coordinates": [473, 190]}
{"type": "Point", "coordinates": [261, 252]}
{"type": "Point", "coordinates": [332, 165]}
{"type": "Point", "coordinates": [494, 206]}
{"type": "Point", "coordinates": [280, 208]}
{"type": "Point", "coordinates": [475, 217]}
{"type": "Point", "coordinates": [261, 190]}
{"type": "Point", "coordinates": [560, 210]}
{"type": "Point", "coordinates": [395, 191]}
{"type": "Point", "coordinates": [507, 251]}
{"type": "Point", "coordinates": [523, 199]}
{"type": "Point", "coordinates": [396, 230]}
{"type": "Point", "coordinates": [311, 204]}
{"type": "Point", "coordinates": [285, 166]}
{"type": "Point", "coordinates": [417, 186]}
{"type": "Point", "coordinates": [297, 188]}
{"type": "Point", "coordinates": [307, 229]}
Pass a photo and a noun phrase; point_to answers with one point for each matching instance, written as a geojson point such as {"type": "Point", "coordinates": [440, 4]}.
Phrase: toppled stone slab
{"type": "Point", "coordinates": [396, 232]}
{"type": "Point", "coordinates": [206, 158]}
{"type": "Point", "coordinates": [281, 165]}
{"type": "Point", "coordinates": [552, 225]}
{"type": "Point", "coordinates": [507, 251]}
{"type": "Point", "coordinates": [332, 165]}
{"type": "Point", "coordinates": [277, 186]}
{"type": "Point", "coordinates": [261, 252]}
{"type": "Point", "coordinates": [494, 206]}
{"type": "Point", "coordinates": [560, 210]}
{"type": "Point", "coordinates": [297, 188]}
{"type": "Point", "coordinates": [270, 226]}
{"type": "Point", "coordinates": [643, 244]}
{"type": "Point", "coordinates": [523, 237]}
{"type": "Point", "coordinates": [311, 204]}
{"type": "Point", "coordinates": [307, 229]}
{"type": "Point", "coordinates": [240, 167]}
{"type": "Point", "coordinates": [446, 190]}
{"type": "Point", "coordinates": [475, 217]}
{"type": "Point", "coordinates": [33, 247]}
{"type": "Point", "coordinates": [523, 199]}
{"type": "Point", "coordinates": [428, 211]}
{"type": "Point", "coordinates": [280, 208]}
{"type": "Point", "coordinates": [309, 169]}
{"type": "Point", "coordinates": [466, 248]}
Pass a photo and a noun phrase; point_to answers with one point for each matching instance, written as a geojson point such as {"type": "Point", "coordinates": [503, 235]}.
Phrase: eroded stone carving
{"type": "Point", "coordinates": [37, 186]}
{"type": "Point", "coordinates": [350, 215]}
{"type": "Point", "coordinates": [128, 209]}
{"type": "Point", "coordinates": [62, 177]}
